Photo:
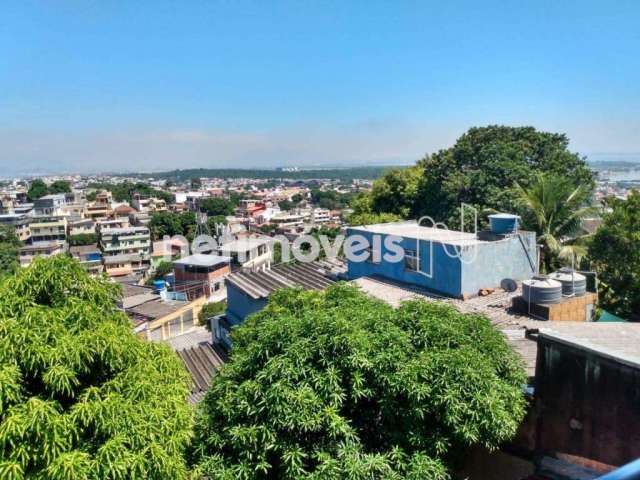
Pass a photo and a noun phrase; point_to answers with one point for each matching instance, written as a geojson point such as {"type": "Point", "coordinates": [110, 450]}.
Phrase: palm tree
{"type": "Point", "coordinates": [554, 208]}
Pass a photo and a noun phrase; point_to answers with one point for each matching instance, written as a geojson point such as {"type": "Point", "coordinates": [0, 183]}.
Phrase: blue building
{"type": "Point", "coordinates": [451, 263]}
{"type": "Point", "coordinates": [248, 291]}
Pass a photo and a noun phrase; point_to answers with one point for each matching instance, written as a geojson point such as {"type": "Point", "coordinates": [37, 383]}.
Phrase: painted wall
{"type": "Point", "coordinates": [510, 258]}
{"type": "Point", "coordinates": [442, 275]}
{"type": "Point", "coordinates": [240, 305]}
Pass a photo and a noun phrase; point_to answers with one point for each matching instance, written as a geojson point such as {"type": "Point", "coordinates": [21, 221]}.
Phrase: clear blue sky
{"type": "Point", "coordinates": [101, 85]}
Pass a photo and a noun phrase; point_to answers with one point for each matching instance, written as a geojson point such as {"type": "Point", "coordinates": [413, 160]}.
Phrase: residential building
{"type": "Point", "coordinates": [110, 223]}
{"type": "Point", "coordinates": [248, 291]}
{"type": "Point", "coordinates": [160, 315]}
{"type": "Point", "coordinates": [50, 205]}
{"type": "Point", "coordinates": [202, 275]}
{"type": "Point", "coordinates": [124, 264]}
{"type": "Point", "coordinates": [89, 256]}
{"type": "Point", "coordinates": [48, 228]}
{"type": "Point", "coordinates": [248, 252]}
{"type": "Point", "coordinates": [82, 226]}
{"type": "Point", "coordinates": [101, 206]}
{"type": "Point", "coordinates": [148, 205]}
{"type": "Point", "coordinates": [41, 249]}
{"type": "Point", "coordinates": [126, 250]}
{"type": "Point", "coordinates": [126, 240]}
{"type": "Point", "coordinates": [20, 222]}
{"type": "Point", "coordinates": [287, 220]}
{"type": "Point", "coordinates": [450, 263]}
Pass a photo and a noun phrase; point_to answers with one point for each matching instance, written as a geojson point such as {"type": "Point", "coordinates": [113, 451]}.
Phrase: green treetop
{"type": "Point", "coordinates": [81, 397]}
{"type": "Point", "coordinates": [334, 385]}
{"type": "Point", "coordinates": [614, 253]}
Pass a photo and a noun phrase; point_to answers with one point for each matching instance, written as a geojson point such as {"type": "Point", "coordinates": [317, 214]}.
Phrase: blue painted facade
{"type": "Point", "coordinates": [453, 270]}
{"type": "Point", "coordinates": [241, 305]}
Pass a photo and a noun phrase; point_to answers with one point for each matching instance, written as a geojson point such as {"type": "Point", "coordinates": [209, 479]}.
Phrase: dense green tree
{"type": "Point", "coordinates": [396, 191]}
{"type": "Point", "coordinates": [169, 223]}
{"type": "Point", "coordinates": [484, 165]}
{"type": "Point", "coordinates": [82, 239]}
{"type": "Point", "coordinates": [81, 397]}
{"type": "Point", "coordinates": [614, 253]}
{"type": "Point", "coordinates": [331, 199]}
{"type": "Point", "coordinates": [209, 310]}
{"type": "Point", "coordinates": [554, 207]}
{"type": "Point", "coordinates": [37, 189]}
{"type": "Point", "coordinates": [286, 205]}
{"type": "Point", "coordinates": [162, 270]}
{"type": "Point", "coordinates": [369, 218]}
{"type": "Point", "coordinates": [124, 191]}
{"type": "Point", "coordinates": [196, 183]}
{"type": "Point", "coordinates": [9, 249]}
{"type": "Point", "coordinates": [216, 207]}
{"type": "Point", "coordinates": [333, 384]}
{"type": "Point", "coordinates": [60, 186]}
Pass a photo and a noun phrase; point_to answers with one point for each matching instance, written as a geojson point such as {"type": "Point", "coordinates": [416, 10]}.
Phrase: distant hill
{"type": "Point", "coordinates": [614, 165]}
{"type": "Point", "coordinates": [343, 174]}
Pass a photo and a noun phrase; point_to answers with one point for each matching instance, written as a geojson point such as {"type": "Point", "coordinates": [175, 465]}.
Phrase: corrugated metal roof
{"type": "Point", "coordinates": [202, 359]}
{"type": "Point", "coordinates": [260, 284]}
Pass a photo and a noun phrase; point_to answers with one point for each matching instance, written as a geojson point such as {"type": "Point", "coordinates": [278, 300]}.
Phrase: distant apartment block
{"type": "Point", "coordinates": [48, 229]}
{"type": "Point", "coordinates": [50, 205]}
{"type": "Point", "coordinates": [21, 224]}
{"type": "Point", "coordinates": [248, 252]}
{"type": "Point", "coordinates": [125, 250]}
{"type": "Point", "coordinates": [41, 249]}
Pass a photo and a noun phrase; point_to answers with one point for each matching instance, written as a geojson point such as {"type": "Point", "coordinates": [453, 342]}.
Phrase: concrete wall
{"type": "Point", "coordinates": [586, 404]}
{"type": "Point", "coordinates": [486, 267]}
{"type": "Point", "coordinates": [240, 305]}
{"type": "Point", "coordinates": [511, 258]}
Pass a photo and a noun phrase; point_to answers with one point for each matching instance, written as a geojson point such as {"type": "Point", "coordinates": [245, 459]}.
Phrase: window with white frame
{"type": "Point", "coordinates": [410, 260]}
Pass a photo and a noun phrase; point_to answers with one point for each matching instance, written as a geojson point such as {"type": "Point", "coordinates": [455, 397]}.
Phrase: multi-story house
{"type": "Point", "coordinates": [48, 229]}
{"type": "Point", "coordinates": [20, 222]}
{"type": "Point", "coordinates": [250, 253]}
{"type": "Point", "coordinates": [50, 205]}
{"type": "Point", "coordinates": [41, 249]}
{"type": "Point", "coordinates": [126, 250]}
{"type": "Point", "coordinates": [202, 275]}
{"type": "Point", "coordinates": [101, 207]}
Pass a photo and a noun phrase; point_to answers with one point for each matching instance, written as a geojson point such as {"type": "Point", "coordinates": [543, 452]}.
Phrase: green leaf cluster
{"type": "Point", "coordinates": [335, 385]}
{"type": "Point", "coordinates": [481, 169]}
{"type": "Point", "coordinates": [9, 249]}
{"type": "Point", "coordinates": [614, 253]}
{"type": "Point", "coordinates": [80, 396]}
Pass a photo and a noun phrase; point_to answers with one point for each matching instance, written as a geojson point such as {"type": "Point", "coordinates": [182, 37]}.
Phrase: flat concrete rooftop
{"type": "Point", "coordinates": [410, 229]}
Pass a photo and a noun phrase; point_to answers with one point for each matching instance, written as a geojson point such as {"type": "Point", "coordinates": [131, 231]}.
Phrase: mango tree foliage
{"type": "Point", "coordinates": [80, 396]}
{"type": "Point", "coordinates": [334, 384]}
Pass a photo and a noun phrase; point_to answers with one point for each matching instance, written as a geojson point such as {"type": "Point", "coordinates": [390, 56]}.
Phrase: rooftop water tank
{"type": "Point", "coordinates": [503, 223]}
{"type": "Point", "coordinates": [542, 290]}
{"type": "Point", "coordinates": [158, 285]}
{"type": "Point", "coordinates": [572, 283]}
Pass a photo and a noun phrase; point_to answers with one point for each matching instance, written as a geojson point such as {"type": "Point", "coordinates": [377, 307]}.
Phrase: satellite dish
{"type": "Point", "coordinates": [508, 285]}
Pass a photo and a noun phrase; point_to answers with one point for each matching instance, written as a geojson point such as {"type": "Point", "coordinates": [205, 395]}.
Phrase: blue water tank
{"type": "Point", "coordinates": [503, 223]}
{"type": "Point", "coordinates": [158, 285]}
